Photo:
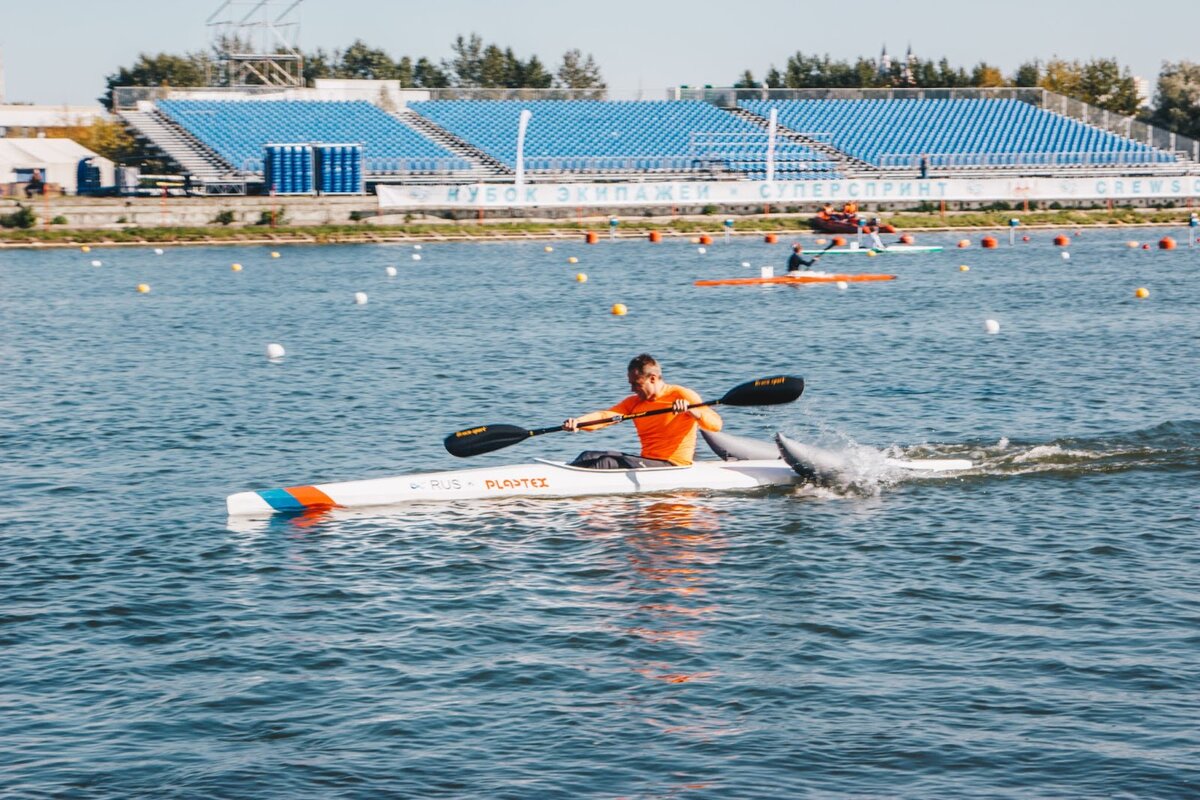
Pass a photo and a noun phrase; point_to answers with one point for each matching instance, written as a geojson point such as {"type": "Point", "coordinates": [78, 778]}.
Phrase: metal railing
{"type": "Point", "coordinates": [1003, 160]}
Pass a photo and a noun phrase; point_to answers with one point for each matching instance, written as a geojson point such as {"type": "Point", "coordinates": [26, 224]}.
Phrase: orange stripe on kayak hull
{"type": "Point", "coordinates": [797, 279]}
{"type": "Point", "coordinates": [310, 497]}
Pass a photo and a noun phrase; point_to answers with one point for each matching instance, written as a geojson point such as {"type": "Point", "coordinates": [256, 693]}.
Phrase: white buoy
{"type": "Point", "coordinates": [360, 298]}
{"type": "Point", "coordinates": [275, 350]}
{"type": "Point", "coordinates": [97, 262]}
{"type": "Point", "coordinates": [158, 251]}
{"type": "Point", "coordinates": [843, 285]}
{"type": "Point", "coordinates": [416, 256]}
{"type": "Point", "coordinates": [745, 263]}
{"type": "Point", "coordinates": [391, 272]}
{"type": "Point", "coordinates": [991, 326]}
{"type": "Point", "coordinates": [416, 247]}
{"type": "Point", "coordinates": [701, 250]}
{"type": "Point", "coordinates": [1066, 256]}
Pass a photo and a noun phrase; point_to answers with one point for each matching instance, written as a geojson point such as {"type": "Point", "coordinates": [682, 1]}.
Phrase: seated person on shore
{"type": "Point", "coordinates": [796, 261]}
{"type": "Point", "coordinates": [850, 209]}
{"type": "Point", "coordinates": [667, 439]}
{"type": "Point", "coordinates": [827, 212]}
{"type": "Point", "coordinates": [35, 185]}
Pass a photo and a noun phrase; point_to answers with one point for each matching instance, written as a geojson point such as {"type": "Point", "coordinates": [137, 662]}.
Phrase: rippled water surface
{"type": "Point", "coordinates": [1028, 629]}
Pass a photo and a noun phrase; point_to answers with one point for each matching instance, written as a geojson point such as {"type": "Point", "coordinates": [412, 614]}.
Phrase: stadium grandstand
{"type": "Point", "coordinates": [219, 138]}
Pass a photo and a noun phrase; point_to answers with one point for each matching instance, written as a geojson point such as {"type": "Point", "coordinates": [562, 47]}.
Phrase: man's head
{"type": "Point", "coordinates": [797, 248]}
{"type": "Point", "coordinates": [645, 377]}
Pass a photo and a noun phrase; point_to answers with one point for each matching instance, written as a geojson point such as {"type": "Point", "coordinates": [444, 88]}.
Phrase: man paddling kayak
{"type": "Point", "coordinates": [796, 261]}
{"type": "Point", "coordinates": [667, 439]}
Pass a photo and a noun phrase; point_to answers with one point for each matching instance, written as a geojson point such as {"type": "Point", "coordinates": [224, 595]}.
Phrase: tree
{"type": "Point", "coordinates": [746, 81]}
{"type": "Point", "coordinates": [103, 137]}
{"type": "Point", "coordinates": [466, 67]}
{"type": "Point", "coordinates": [361, 62]}
{"type": "Point", "coordinates": [577, 72]}
{"type": "Point", "coordinates": [163, 69]}
{"type": "Point", "coordinates": [535, 75]}
{"type": "Point", "coordinates": [1028, 74]}
{"type": "Point", "coordinates": [428, 75]}
{"type": "Point", "coordinates": [1100, 82]}
{"type": "Point", "coordinates": [985, 75]}
{"type": "Point", "coordinates": [1177, 106]}
{"type": "Point", "coordinates": [1103, 83]}
{"type": "Point", "coordinates": [773, 79]}
{"type": "Point", "coordinates": [495, 69]}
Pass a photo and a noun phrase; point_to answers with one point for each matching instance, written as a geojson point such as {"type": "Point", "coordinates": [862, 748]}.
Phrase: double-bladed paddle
{"type": "Point", "coordinates": [486, 438]}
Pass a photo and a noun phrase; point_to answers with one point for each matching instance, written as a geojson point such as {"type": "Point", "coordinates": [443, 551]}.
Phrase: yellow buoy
{"type": "Point", "coordinates": [619, 310]}
{"type": "Point", "coordinates": [85, 249]}
{"type": "Point", "coordinates": [572, 260]}
{"type": "Point", "coordinates": [236, 267]}
{"type": "Point", "coordinates": [274, 254]}
{"type": "Point", "coordinates": [581, 277]}
{"type": "Point", "coordinates": [964, 268]}
{"type": "Point", "coordinates": [1132, 245]}
{"type": "Point", "coordinates": [549, 249]}
{"type": "Point", "coordinates": [143, 288]}
{"type": "Point", "coordinates": [1142, 293]}
{"type": "Point", "coordinates": [871, 254]}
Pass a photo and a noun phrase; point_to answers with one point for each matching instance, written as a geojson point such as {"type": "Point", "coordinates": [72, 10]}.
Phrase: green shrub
{"type": "Point", "coordinates": [59, 220]}
{"type": "Point", "coordinates": [224, 217]}
{"type": "Point", "coordinates": [265, 217]}
{"type": "Point", "coordinates": [23, 217]}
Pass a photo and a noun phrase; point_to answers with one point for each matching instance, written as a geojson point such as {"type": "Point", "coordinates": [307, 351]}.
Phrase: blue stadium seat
{"type": "Point", "coordinates": [620, 136]}
{"type": "Point", "coordinates": [238, 130]}
{"type": "Point", "coordinates": [956, 133]}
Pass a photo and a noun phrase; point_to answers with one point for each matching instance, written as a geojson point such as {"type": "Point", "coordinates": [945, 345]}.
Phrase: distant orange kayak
{"type": "Point", "coordinates": [803, 277]}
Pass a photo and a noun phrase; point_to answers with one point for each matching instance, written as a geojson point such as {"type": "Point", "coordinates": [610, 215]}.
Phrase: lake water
{"type": "Point", "coordinates": [1028, 629]}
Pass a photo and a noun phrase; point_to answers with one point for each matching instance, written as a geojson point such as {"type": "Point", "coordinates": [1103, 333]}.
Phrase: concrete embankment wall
{"type": "Point", "coordinates": [151, 212]}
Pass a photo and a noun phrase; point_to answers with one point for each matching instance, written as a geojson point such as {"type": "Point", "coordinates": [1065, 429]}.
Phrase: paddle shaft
{"type": "Point", "coordinates": [486, 438]}
{"type": "Point", "coordinates": [621, 418]}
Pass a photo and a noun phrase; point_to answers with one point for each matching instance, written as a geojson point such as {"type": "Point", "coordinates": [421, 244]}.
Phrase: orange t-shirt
{"type": "Point", "coordinates": [669, 437]}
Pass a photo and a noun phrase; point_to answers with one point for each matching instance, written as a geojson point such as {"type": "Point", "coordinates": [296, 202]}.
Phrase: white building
{"type": "Point", "coordinates": [56, 159]}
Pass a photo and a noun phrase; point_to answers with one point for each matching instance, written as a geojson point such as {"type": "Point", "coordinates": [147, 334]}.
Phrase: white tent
{"type": "Point", "coordinates": [57, 159]}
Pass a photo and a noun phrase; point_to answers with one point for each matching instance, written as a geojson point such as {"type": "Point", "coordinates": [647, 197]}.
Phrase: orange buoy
{"type": "Point", "coordinates": [907, 239]}
{"type": "Point", "coordinates": [771, 238]}
{"type": "Point", "coordinates": [988, 242]}
{"type": "Point", "coordinates": [1145, 247]}
{"type": "Point", "coordinates": [1025, 239]}
{"type": "Point", "coordinates": [1166, 243]}
{"type": "Point", "coordinates": [964, 243]}
{"type": "Point", "coordinates": [705, 239]}
{"type": "Point", "coordinates": [655, 236]}
{"type": "Point", "coordinates": [839, 241]}
{"type": "Point", "coordinates": [591, 237]}
{"type": "Point", "coordinates": [1061, 240]}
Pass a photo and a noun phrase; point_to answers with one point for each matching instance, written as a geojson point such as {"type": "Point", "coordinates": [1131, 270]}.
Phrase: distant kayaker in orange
{"type": "Point", "coordinates": [667, 439]}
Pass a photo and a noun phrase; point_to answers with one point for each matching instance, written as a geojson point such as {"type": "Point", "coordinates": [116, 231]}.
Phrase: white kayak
{"type": "Point", "coordinates": [539, 479]}
{"type": "Point", "coordinates": [830, 467]}
{"type": "Point", "coordinates": [891, 249]}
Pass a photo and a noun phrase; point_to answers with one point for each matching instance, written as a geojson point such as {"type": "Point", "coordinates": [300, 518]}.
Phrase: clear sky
{"type": "Point", "coordinates": [59, 51]}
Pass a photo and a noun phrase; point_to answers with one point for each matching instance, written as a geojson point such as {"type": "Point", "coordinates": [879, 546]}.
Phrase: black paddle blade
{"type": "Point", "coordinates": [765, 391]}
{"type": "Point", "coordinates": [484, 439]}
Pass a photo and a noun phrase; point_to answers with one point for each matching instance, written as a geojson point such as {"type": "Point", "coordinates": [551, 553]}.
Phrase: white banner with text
{"type": "Point", "coordinates": [690, 193]}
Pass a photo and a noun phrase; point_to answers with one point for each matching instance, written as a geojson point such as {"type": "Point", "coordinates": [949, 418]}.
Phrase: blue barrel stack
{"type": "Point", "coordinates": [339, 168]}
{"type": "Point", "coordinates": [288, 168]}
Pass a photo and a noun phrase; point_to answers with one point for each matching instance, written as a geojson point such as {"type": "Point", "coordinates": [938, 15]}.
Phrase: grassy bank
{"type": "Point", "coordinates": [362, 232]}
